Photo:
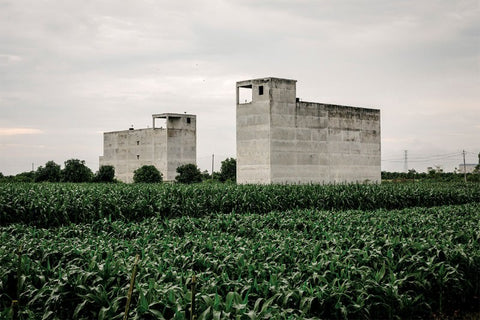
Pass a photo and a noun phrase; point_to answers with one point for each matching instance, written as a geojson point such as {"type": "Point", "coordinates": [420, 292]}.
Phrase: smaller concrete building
{"type": "Point", "coordinates": [467, 168]}
{"type": "Point", "coordinates": [166, 147]}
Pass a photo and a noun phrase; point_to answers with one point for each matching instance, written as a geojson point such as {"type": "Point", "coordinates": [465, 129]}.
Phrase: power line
{"type": "Point", "coordinates": [441, 154]}
{"type": "Point", "coordinates": [424, 158]}
{"type": "Point", "coordinates": [437, 158]}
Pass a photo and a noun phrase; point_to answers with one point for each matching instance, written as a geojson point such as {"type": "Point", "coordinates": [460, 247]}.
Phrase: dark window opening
{"type": "Point", "coordinates": [138, 142]}
{"type": "Point", "coordinates": [188, 120]}
{"type": "Point", "coordinates": [260, 90]}
{"type": "Point", "coordinates": [138, 156]}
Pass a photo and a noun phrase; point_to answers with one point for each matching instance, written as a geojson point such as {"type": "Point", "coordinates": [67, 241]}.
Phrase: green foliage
{"type": "Point", "coordinates": [76, 171]}
{"type": "Point", "coordinates": [188, 173]}
{"type": "Point", "coordinates": [216, 176]}
{"type": "Point", "coordinates": [51, 172]}
{"type": "Point", "coordinates": [105, 174]}
{"type": "Point", "coordinates": [431, 176]}
{"type": "Point", "coordinates": [28, 176]}
{"type": "Point", "coordinates": [300, 264]}
{"type": "Point", "coordinates": [147, 174]}
{"type": "Point", "coordinates": [228, 170]}
{"type": "Point", "coordinates": [206, 175]}
{"type": "Point", "coordinates": [57, 204]}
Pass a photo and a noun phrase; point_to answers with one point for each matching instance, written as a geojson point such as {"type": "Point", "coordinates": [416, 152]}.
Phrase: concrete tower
{"type": "Point", "coordinates": [281, 139]}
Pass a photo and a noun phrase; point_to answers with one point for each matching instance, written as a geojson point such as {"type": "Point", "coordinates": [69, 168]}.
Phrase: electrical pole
{"type": "Point", "coordinates": [464, 168]}
{"type": "Point", "coordinates": [405, 163]}
{"type": "Point", "coordinates": [213, 163]}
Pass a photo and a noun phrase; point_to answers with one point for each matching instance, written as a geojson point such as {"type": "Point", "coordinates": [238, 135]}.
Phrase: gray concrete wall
{"type": "Point", "coordinates": [322, 143]}
{"type": "Point", "coordinates": [128, 150]}
{"type": "Point", "coordinates": [165, 148]}
{"type": "Point", "coordinates": [253, 135]}
{"type": "Point", "coordinates": [306, 142]}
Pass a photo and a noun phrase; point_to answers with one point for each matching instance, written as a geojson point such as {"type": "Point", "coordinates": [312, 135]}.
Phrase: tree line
{"type": "Point", "coordinates": [432, 175]}
{"type": "Point", "coordinates": [77, 171]}
{"type": "Point", "coordinates": [74, 170]}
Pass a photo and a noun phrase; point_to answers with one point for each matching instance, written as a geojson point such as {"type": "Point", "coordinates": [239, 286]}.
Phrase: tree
{"type": "Point", "coordinates": [51, 172]}
{"type": "Point", "coordinates": [147, 174]}
{"type": "Point", "coordinates": [188, 173]}
{"type": "Point", "coordinates": [76, 171]}
{"type": "Point", "coordinates": [216, 176]}
{"type": "Point", "coordinates": [228, 170]}
{"type": "Point", "coordinates": [105, 174]}
{"type": "Point", "coordinates": [206, 175]}
{"type": "Point", "coordinates": [28, 176]}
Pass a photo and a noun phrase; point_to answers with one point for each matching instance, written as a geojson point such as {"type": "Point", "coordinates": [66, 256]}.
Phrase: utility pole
{"type": "Point", "coordinates": [464, 168]}
{"type": "Point", "coordinates": [405, 162]}
{"type": "Point", "coordinates": [213, 163]}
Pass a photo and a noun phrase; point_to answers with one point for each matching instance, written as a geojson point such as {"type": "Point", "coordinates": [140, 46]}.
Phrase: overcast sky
{"type": "Point", "coordinates": [70, 70]}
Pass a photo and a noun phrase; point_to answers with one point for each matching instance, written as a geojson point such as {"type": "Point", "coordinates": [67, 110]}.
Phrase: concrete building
{"type": "Point", "coordinates": [164, 147]}
{"type": "Point", "coordinates": [281, 139]}
{"type": "Point", "coordinates": [467, 168]}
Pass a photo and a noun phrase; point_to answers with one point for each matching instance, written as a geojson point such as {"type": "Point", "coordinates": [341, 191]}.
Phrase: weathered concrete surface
{"type": "Point", "coordinates": [165, 148]}
{"type": "Point", "coordinates": [282, 140]}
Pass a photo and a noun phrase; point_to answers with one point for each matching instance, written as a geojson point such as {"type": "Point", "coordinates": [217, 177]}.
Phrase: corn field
{"type": "Point", "coordinates": [48, 205]}
{"type": "Point", "coordinates": [257, 252]}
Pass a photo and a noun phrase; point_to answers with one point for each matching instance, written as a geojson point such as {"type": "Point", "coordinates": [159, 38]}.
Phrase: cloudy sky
{"type": "Point", "coordinates": [70, 70]}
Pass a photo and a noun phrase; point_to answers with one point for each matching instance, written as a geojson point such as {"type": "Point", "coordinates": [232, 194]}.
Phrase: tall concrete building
{"type": "Point", "coordinates": [281, 139]}
{"type": "Point", "coordinates": [166, 147]}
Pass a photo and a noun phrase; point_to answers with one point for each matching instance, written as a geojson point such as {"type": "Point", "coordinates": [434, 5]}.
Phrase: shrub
{"type": "Point", "coordinates": [147, 174]}
{"type": "Point", "coordinates": [105, 174]}
{"type": "Point", "coordinates": [188, 173]}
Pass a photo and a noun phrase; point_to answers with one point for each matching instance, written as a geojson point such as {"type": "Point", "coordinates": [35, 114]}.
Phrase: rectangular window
{"type": "Point", "coordinates": [188, 120]}
{"type": "Point", "coordinates": [138, 156]}
{"type": "Point", "coordinates": [138, 142]}
{"type": "Point", "coordinates": [245, 94]}
{"type": "Point", "coordinates": [260, 90]}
